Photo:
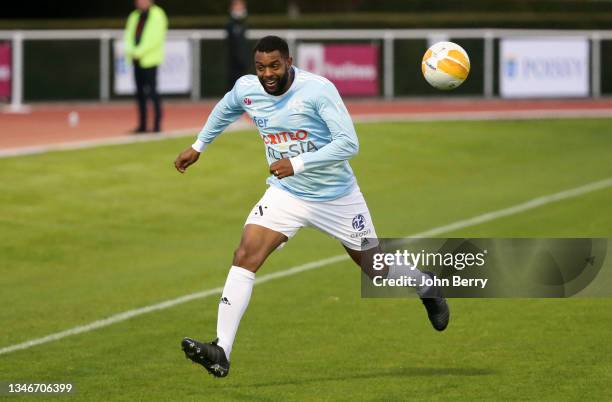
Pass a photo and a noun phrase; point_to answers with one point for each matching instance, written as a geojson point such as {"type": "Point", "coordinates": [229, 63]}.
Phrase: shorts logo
{"type": "Point", "coordinates": [261, 210]}
{"type": "Point", "coordinates": [224, 300]}
{"type": "Point", "coordinates": [359, 222]}
{"type": "Point", "coordinates": [247, 101]}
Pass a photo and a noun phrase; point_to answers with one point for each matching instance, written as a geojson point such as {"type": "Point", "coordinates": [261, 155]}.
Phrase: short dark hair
{"type": "Point", "coordinates": [270, 43]}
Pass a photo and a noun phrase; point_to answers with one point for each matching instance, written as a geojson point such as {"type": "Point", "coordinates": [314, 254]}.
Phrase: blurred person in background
{"type": "Point", "coordinates": [238, 46]}
{"type": "Point", "coordinates": [144, 39]}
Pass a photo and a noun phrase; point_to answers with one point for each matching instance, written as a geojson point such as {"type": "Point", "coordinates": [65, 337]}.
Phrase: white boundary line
{"type": "Point", "coordinates": [489, 216]}
{"type": "Point", "coordinates": [127, 139]}
{"type": "Point", "coordinates": [363, 118]}
{"type": "Point", "coordinates": [486, 115]}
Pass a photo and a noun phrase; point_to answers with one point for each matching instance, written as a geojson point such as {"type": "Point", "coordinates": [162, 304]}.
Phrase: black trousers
{"type": "Point", "coordinates": [146, 87]}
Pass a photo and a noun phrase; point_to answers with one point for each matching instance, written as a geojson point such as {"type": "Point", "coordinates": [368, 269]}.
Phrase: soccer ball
{"type": "Point", "coordinates": [445, 65]}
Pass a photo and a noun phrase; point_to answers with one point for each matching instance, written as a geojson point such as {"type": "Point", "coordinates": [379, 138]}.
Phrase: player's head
{"type": "Point", "coordinates": [142, 5]}
{"type": "Point", "coordinates": [273, 64]}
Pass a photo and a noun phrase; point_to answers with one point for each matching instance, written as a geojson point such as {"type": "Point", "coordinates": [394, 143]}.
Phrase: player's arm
{"type": "Point", "coordinates": [344, 144]}
{"type": "Point", "coordinates": [227, 111]}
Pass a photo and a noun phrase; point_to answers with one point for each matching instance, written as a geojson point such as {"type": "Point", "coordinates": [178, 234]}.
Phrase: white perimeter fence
{"type": "Point", "coordinates": [386, 36]}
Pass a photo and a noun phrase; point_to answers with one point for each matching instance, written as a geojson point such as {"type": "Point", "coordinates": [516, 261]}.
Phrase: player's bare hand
{"type": "Point", "coordinates": [282, 168]}
{"type": "Point", "coordinates": [185, 159]}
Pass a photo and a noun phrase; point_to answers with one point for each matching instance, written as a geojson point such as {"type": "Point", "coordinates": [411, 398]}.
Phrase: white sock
{"type": "Point", "coordinates": [234, 301]}
{"type": "Point", "coordinates": [397, 271]}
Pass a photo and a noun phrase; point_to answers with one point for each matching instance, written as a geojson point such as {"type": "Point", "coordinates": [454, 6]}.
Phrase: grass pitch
{"type": "Point", "coordinates": [91, 233]}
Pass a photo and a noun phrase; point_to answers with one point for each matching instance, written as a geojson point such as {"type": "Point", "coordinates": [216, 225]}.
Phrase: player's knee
{"type": "Point", "coordinates": [245, 258]}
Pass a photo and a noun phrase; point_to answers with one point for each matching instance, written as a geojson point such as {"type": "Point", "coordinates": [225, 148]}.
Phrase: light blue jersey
{"type": "Point", "coordinates": [308, 122]}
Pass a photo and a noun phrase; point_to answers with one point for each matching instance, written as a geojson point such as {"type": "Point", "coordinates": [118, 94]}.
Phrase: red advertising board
{"type": "Point", "coordinates": [352, 68]}
{"type": "Point", "coordinates": [5, 70]}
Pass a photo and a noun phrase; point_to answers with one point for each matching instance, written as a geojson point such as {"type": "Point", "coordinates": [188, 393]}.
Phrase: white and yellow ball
{"type": "Point", "coordinates": [445, 65]}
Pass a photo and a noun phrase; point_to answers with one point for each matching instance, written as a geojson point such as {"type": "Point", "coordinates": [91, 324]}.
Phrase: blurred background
{"type": "Point", "coordinates": [321, 13]}
{"type": "Point", "coordinates": [67, 50]}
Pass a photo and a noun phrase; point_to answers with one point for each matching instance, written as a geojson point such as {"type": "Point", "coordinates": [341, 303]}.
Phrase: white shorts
{"type": "Point", "coordinates": [346, 218]}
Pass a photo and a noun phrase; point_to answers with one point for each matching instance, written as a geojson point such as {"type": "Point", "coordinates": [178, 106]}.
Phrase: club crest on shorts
{"type": "Point", "coordinates": [359, 222]}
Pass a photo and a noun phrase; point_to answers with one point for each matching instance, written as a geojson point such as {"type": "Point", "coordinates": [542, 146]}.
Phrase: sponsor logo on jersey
{"type": "Point", "coordinates": [294, 149]}
{"type": "Point", "coordinates": [260, 122]}
{"type": "Point", "coordinates": [247, 101]}
{"type": "Point", "coordinates": [284, 136]}
{"type": "Point", "coordinates": [288, 144]}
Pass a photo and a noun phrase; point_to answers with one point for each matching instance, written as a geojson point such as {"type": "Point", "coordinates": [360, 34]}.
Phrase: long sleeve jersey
{"type": "Point", "coordinates": [309, 123]}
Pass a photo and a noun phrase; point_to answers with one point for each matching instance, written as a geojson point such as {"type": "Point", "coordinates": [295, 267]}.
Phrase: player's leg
{"type": "Point", "coordinates": [361, 256]}
{"type": "Point", "coordinates": [256, 244]}
{"type": "Point", "coordinates": [271, 223]}
{"type": "Point", "coordinates": [348, 219]}
{"type": "Point", "coordinates": [431, 297]}
{"type": "Point", "coordinates": [364, 258]}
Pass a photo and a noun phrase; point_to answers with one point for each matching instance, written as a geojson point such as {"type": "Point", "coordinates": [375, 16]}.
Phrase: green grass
{"type": "Point", "coordinates": [91, 233]}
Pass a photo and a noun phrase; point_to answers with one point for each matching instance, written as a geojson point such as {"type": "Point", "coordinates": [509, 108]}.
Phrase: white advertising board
{"type": "Point", "coordinates": [173, 76]}
{"type": "Point", "coordinates": [544, 67]}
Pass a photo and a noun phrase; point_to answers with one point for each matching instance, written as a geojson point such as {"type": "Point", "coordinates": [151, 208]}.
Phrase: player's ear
{"type": "Point", "coordinates": [289, 61]}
